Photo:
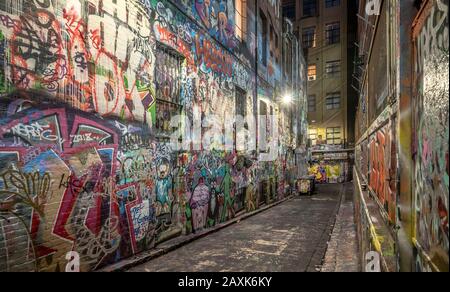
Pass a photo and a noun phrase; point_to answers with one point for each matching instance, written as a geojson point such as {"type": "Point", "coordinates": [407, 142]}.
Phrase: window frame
{"type": "Point", "coordinates": [336, 101]}
{"type": "Point", "coordinates": [333, 33]}
{"type": "Point", "coordinates": [332, 3]}
{"type": "Point", "coordinates": [330, 68]}
{"type": "Point", "coordinates": [333, 131]}
{"type": "Point", "coordinates": [310, 76]}
{"type": "Point", "coordinates": [309, 8]}
{"type": "Point", "coordinates": [312, 97]}
{"type": "Point", "coordinates": [309, 42]}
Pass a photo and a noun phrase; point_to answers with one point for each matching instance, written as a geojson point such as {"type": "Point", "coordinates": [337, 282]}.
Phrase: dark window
{"type": "Point", "coordinates": [92, 10]}
{"type": "Point", "coordinates": [263, 129]}
{"type": "Point", "coordinates": [333, 68]}
{"type": "Point", "coordinates": [332, 3]}
{"type": "Point", "coordinates": [312, 104]}
{"type": "Point", "coordinates": [333, 33]}
{"type": "Point", "coordinates": [241, 103]}
{"type": "Point", "coordinates": [309, 8]}
{"type": "Point", "coordinates": [240, 109]}
{"type": "Point", "coordinates": [168, 86]}
{"type": "Point", "coordinates": [333, 101]}
{"type": "Point", "coordinates": [289, 10]}
{"type": "Point", "coordinates": [309, 37]}
{"type": "Point", "coordinates": [264, 29]}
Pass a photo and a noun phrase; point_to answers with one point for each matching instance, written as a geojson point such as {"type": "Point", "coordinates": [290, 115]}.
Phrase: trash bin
{"type": "Point", "coordinates": [306, 185]}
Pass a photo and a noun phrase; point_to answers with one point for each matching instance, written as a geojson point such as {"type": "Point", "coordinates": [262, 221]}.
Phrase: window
{"type": "Point", "coordinates": [241, 19]}
{"type": "Point", "coordinates": [309, 8]}
{"type": "Point", "coordinates": [272, 41]}
{"type": "Point", "coordinates": [332, 3]}
{"type": "Point", "coordinates": [313, 136]}
{"type": "Point", "coordinates": [334, 136]}
{"type": "Point", "coordinates": [241, 103]}
{"type": "Point", "coordinates": [333, 68]}
{"type": "Point", "coordinates": [92, 10]}
{"type": "Point", "coordinates": [333, 33]}
{"type": "Point", "coordinates": [312, 104]}
{"type": "Point", "coordinates": [263, 40]}
{"type": "Point", "coordinates": [289, 9]}
{"type": "Point", "coordinates": [240, 110]}
{"type": "Point", "coordinates": [263, 129]}
{"type": "Point", "coordinates": [12, 6]}
{"type": "Point", "coordinates": [333, 100]}
{"type": "Point", "coordinates": [168, 86]}
{"type": "Point", "coordinates": [309, 37]}
{"type": "Point", "coordinates": [312, 72]}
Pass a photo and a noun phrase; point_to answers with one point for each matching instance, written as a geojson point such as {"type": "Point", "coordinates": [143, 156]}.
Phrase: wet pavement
{"type": "Point", "coordinates": [290, 237]}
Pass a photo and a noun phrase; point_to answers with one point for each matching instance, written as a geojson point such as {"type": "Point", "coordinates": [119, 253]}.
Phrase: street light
{"type": "Point", "coordinates": [287, 99]}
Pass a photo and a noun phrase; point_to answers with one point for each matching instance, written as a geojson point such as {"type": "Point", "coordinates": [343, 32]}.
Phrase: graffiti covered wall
{"type": "Point", "coordinates": [383, 168]}
{"type": "Point", "coordinates": [431, 118]}
{"type": "Point", "coordinates": [408, 142]}
{"type": "Point", "coordinates": [87, 89]}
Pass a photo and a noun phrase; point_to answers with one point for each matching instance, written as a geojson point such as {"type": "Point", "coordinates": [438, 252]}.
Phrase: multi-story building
{"type": "Point", "coordinates": [119, 123]}
{"type": "Point", "coordinates": [322, 28]}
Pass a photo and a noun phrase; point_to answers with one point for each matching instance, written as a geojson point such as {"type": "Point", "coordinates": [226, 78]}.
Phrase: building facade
{"type": "Point", "coordinates": [402, 169]}
{"type": "Point", "coordinates": [92, 93]}
{"type": "Point", "coordinates": [322, 28]}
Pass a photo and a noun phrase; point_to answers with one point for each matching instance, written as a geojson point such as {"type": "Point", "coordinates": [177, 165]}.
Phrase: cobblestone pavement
{"type": "Point", "coordinates": [291, 237]}
{"type": "Point", "coordinates": [342, 253]}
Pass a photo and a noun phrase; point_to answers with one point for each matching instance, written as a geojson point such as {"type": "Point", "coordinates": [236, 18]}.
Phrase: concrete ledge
{"type": "Point", "coordinates": [380, 233]}
{"type": "Point", "coordinates": [178, 242]}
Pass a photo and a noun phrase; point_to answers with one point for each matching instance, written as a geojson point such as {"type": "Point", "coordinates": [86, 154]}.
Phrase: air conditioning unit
{"type": "Point", "coordinates": [311, 78]}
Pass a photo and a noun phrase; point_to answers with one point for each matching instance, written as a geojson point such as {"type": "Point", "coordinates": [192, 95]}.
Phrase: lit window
{"type": "Point", "coordinates": [312, 72]}
{"type": "Point", "coordinates": [168, 88]}
{"type": "Point", "coordinates": [313, 136]}
{"type": "Point", "coordinates": [241, 19]}
{"type": "Point", "coordinates": [334, 136]}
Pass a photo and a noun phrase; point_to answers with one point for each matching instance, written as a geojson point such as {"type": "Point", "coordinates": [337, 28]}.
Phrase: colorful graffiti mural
{"type": "Point", "coordinates": [431, 117]}
{"type": "Point", "coordinates": [59, 50]}
{"type": "Point", "coordinates": [383, 168]}
{"type": "Point", "coordinates": [84, 91]}
{"type": "Point", "coordinates": [329, 172]}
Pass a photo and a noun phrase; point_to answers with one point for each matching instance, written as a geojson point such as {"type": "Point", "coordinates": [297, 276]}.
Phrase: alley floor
{"type": "Point", "coordinates": [291, 237]}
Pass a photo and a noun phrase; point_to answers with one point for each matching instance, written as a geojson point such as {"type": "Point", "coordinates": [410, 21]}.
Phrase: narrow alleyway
{"type": "Point", "coordinates": [342, 253]}
{"type": "Point", "coordinates": [291, 237]}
